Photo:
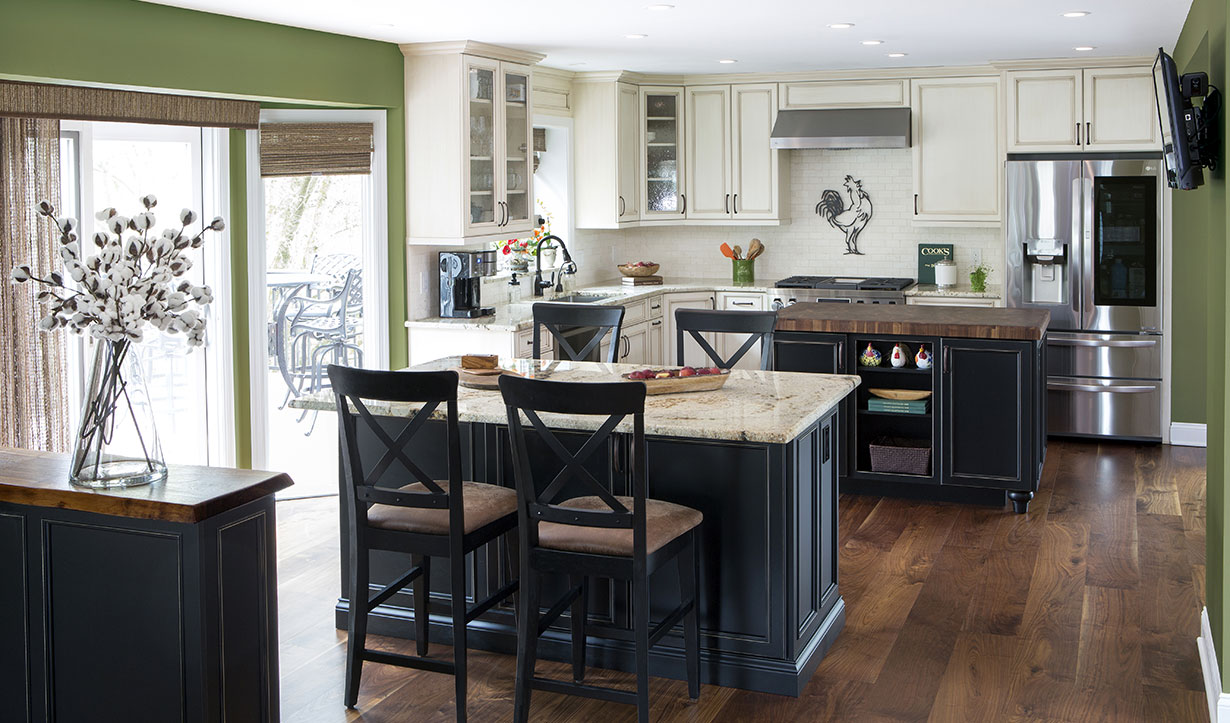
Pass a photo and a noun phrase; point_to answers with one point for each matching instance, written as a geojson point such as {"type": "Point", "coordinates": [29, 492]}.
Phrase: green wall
{"type": "Point", "coordinates": [129, 43]}
{"type": "Point", "coordinates": [1200, 225]}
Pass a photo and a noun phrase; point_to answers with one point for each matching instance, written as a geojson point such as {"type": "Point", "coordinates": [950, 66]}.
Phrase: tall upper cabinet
{"type": "Point", "coordinates": [958, 157]}
{"type": "Point", "coordinates": [662, 179]}
{"type": "Point", "coordinates": [469, 142]}
{"type": "Point", "coordinates": [1096, 109]}
{"type": "Point", "coordinates": [608, 147]}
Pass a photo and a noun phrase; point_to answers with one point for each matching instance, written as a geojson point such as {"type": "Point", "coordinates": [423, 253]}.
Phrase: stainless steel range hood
{"type": "Point", "coordinates": [843, 128]}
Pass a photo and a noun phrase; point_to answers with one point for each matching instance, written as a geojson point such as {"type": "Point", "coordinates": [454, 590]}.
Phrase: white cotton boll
{"type": "Point", "coordinates": [20, 274]}
{"type": "Point", "coordinates": [134, 248]}
{"type": "Point", "coordinates": [66, 224]}
{"type": "Point", "coordinates": [117, 224]}
{"type": "Point", "coordinates": [217, 224]}
{"type": "Point", "coordinates": [149, 201]}
{"type": "Point", "coordinates": [177, 301]}
{"type": "Point", "coordinates": [187, 216]}
{"type": "Point", "coordinates": [143, 221]}
{"type": "Point", "coordinates": [202, 295]}
{"type": "Point", "coordinates": [105, 214]}
{"type": "Point", "coordinates": [45, 208]}
{"type": "Point", "coordinates": [101, 238]}
{"type": "Point", "coordinates": [47, 323]}
{"type": "Point", "coordinates": [76, 271]}
{"type": "Point", "coordinates": [190, 317]}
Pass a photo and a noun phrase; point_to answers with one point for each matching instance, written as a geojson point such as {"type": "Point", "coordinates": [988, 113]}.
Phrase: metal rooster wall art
{"type": "Point", "coordinates": [850, 219]}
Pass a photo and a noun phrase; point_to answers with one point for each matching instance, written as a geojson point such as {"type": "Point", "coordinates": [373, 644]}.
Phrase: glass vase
{"type": "Point", "coordinates": [117, 440]}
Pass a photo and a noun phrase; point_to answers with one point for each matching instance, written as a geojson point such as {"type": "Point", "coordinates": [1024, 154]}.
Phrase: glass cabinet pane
{"type": "Point", "coordinates": [1125, 241]}
{"type": "Point", "coordinates": [517, 146]}
{"type": "Point", "coordinates": [662, 152]}
{"type": "Point", "coordinates": [482, 145]}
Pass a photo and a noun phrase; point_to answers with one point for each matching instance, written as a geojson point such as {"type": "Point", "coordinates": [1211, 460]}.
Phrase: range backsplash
{"type": "Point", "coordinates": [807, 244]}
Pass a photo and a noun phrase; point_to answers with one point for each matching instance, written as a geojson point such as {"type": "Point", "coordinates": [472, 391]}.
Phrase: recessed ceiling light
{"type": "Point", "coordinates": [896, 55]}
{"type": "Point", "coordinates": [1084, 48]}
{"type": "Point", "coordinates": [1076, 14]}
{"type": "Point", "coordinates": [661, 6]}
{"type": "Point", "coordinates": [635, 36]}
{"type": "Point", "coordinates": [873, 42]}
{"type": "Point", "coordinates": [841, 26]}
{"type": "Point", "coordinates": [727, 61]}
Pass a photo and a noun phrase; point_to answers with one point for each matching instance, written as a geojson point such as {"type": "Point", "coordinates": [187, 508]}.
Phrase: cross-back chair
{"type": "Point", "coordinates": [559, 318]}
{"type": "Point", "coordinates": [758, 325]}
{"type": "Point", "coordinates": [599, 534]}
{"type": "Point", "coordinates": [426, 518]}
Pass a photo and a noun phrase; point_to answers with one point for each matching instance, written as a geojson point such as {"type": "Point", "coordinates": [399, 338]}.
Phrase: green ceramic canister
{"type": "Point", "coordinates": [744, 271]}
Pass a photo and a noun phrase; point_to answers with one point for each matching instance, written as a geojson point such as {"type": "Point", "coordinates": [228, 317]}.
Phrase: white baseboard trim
{"type": "Point", "coordinates": [1219, 702]}
{"type": "Point", "coordinates": [1188, 434]}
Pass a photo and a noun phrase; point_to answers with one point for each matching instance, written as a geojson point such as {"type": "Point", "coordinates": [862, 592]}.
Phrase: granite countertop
{"type": "Point", "coordinates": [753, 406]}
{"type": "Point", "coordinates": [961, 290]}
{"type": "Point", "coordinates": [962, 322]}
{"type": "Point", "coordinates": [519, 316]}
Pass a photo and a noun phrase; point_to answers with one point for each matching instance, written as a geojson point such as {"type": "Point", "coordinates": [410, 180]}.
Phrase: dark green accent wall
{"type": "Point", "coordinates": [130, 43]}
{"type": "Point", "coordinates": [1200, 225]}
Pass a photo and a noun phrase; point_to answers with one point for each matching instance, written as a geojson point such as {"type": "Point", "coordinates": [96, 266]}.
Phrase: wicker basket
{"type": "Point", "coordinates": [902, 456]}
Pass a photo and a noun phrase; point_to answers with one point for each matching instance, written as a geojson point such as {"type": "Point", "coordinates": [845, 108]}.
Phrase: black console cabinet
{"type": "Point", "coordinates": [984, 425]}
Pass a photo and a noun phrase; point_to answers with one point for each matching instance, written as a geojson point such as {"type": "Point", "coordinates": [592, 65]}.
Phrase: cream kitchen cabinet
{"type": "Point", "coordinates": [732, 174]}
{"type": "Point", "coordinates": [958, 161]}
{"type": "Point", "coordinates": [982, 301]}
{"type": "Point", "coordinates": [728, 344]}
{"type": "Point", "coordinates": [662, 196]}
{"type": "Point", "coordinates": [608, 152]}
{"type": "Point", "coordinates": [469, 138]}
{"type": "Point", "coordinates": [693, 354]}
{"type": "Point", "coordinates": [1103, 109]}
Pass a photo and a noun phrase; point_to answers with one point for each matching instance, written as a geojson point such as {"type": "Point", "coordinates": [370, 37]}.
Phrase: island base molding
{"type": "Point", "coordinates": [769, 605]}
{"type": "Point", "coordinates": [779, 677]}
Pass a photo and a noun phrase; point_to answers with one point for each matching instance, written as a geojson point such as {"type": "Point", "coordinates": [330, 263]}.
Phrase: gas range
{"type": "Point", "coordinates": [841, 289]}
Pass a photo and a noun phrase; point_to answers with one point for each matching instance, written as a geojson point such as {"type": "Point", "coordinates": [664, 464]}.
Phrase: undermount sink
{"type": "Point", "coordinates": [580, 298]}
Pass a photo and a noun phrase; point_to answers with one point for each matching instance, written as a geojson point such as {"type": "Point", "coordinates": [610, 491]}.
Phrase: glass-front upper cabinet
{"type": "Point", "coordinates": [518, 199]}
{"type": "Point", "coordinates": [484, 212]}
{"type": "Point", "coordinates": [662, 187]}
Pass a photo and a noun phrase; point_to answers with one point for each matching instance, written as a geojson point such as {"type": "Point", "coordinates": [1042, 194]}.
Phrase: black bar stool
{"type": "Point", "coordinates": [757, 324]}
{"type": "Point", "coordinates": [559, 319]}
{"type": "Point", "coordinates": [427, 518]}
{"type": "Point", "coordinates": [599, 535]}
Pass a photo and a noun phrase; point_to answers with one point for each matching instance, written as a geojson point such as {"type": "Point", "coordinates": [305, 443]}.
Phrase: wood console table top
{"type": "Point", "coordinates": [189, 494]}
{"type": "Point", "coordinates": [964, 322]}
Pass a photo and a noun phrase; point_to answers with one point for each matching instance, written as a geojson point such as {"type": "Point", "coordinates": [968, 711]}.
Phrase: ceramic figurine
{"type": "Point", "coordinates": [922, 359]}
{"type": "Point", "coordinates": [870, 357]}
{"type": "Point", "coordinates": [898, 357]}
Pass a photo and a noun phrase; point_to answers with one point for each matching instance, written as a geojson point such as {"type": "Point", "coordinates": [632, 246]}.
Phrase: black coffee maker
{"type": "Point", "coordinates": [461, 278]}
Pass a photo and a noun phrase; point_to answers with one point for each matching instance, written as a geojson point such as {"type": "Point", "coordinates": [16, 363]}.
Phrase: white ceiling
{"type": "Point", "coordinates": [763, 35]}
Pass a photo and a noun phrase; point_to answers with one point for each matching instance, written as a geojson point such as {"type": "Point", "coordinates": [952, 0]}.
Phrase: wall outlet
{"type": "Point", "coordinates": [976, 256]}
{"type": "Point", "coordinates": [423, 281]}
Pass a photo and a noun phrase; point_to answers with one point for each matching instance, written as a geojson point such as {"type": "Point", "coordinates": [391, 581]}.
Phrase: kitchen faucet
{"type": "Point", "coordinates": [557, 279]}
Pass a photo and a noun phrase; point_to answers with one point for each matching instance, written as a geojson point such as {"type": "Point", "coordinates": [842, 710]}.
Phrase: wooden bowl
{"type": "Point", "coordinates": [908, 395]}
{"type": "Point", "coordinates": [680, 385]}
{"type": "Point", "coordinates": [630, 270]}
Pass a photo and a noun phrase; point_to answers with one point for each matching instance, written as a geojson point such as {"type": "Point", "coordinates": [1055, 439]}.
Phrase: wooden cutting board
{"type": "Point", "coordinates": [680, 385]}
{"type": "Point", "coordinates": [481, 378]}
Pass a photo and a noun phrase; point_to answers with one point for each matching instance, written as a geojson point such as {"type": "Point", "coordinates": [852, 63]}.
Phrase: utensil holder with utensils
{"type": "Point", "coordinates": [744, 271]}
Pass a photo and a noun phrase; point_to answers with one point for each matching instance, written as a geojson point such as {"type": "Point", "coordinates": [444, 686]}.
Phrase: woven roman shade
{"type": "Point", "coordinates": [307, 149]}
{"type": "Point", "coordinates": [68, 102]}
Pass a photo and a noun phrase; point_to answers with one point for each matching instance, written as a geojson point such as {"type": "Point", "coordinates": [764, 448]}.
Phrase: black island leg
{"type": "Point", "coordinates": [1020, 501]}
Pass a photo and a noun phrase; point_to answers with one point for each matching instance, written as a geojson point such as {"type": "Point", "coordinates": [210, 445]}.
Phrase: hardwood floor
{"type": "Point", "coordinates": [1085, 609]}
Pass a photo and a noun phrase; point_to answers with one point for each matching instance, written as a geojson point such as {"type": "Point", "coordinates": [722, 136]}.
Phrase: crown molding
{"type": "Point", "coordinates": [472, 47]}
{"type": "Point", "coordinates": [1120, 61]}
{"type": "Point", "coordinates": [564, 76]}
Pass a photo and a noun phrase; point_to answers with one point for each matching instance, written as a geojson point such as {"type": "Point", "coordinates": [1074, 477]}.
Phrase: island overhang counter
{"type": "Point", "coordinates": [757, 457]}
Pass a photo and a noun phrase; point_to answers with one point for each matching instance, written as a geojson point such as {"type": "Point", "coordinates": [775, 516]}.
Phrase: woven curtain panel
{"type": "Point", "coordinates": [308, 149]}
{"type": "Point", "coordinates": [69, 102]}
{"type": "Point", "coordinates": [34, 410]}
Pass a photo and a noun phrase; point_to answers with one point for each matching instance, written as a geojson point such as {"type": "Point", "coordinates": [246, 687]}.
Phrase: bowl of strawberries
{"type": "Point", "coordinates": [638, 268]}
{"type": "Point", "coordinates": [676, 381]}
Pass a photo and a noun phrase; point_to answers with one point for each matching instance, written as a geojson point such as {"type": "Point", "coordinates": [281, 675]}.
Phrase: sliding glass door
{"type": "Point", "coordinates": [114, 165]}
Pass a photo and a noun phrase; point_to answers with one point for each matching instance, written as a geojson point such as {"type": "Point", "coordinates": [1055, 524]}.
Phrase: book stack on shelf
{"type": "Point", "coordinates": [899, 406]}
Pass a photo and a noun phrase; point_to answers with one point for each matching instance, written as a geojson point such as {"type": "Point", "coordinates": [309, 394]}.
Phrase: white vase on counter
{"type": "Point", "coordinates": [945, 273]}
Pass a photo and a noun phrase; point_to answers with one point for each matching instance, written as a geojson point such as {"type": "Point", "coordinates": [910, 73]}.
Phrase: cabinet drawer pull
{"type": "Point", "coordinates": [841, 356]}
{"type": "Point", "coordinates": [621, 205]}
{"type": "Point", "coordinates": [683, 207]}
{"type": "Point", "coordinates": [916, 204]}
{"type": "Point", "coordinates": [735, 206]}
{"type": "Point", "coordinates": [742, 303]}
{"type": "Point", "coordinates": [1118, 389]}
{"type": "Point", "coordinates": [657, 323]}
{"type": "Point", "coordinates": [1078, 134]}
{"type": "Point", "coordinates": [946, 350]}
{"type": "Point", "coordinates": [655, 306]}
{"type": "Point", "coordinates": [1088, 132]}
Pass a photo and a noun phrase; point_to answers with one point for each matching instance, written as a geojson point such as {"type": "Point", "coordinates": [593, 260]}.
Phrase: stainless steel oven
{"type": "Point", "coordinates": [1083, 238]}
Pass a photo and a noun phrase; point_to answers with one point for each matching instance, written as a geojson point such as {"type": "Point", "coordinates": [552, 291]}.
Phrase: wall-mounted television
{"type": "Point", "coordinates": [1189, 133]}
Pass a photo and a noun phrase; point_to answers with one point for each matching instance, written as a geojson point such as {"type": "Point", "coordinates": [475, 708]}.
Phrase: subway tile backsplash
{"type": "Point", "coordinates": [806, 244]}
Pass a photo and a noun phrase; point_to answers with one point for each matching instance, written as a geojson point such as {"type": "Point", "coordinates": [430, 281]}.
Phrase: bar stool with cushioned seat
{"type": "Point", "coordinates": [595, 535]}
{"type": "Point", "coordinates": [427, 518]}
{"type": "Point", "coordinates": [558, 319]}
{"type": "Point", "coordinates": [758, 325]}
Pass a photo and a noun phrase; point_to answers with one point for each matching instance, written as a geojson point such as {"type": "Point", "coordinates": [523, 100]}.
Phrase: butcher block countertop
{"type": "Point", "coordinates": [962, 322]}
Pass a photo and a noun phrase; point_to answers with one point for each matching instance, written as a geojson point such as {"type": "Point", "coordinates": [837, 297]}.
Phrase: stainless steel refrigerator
{"type": "Point", "coordinates": [1084, 241]}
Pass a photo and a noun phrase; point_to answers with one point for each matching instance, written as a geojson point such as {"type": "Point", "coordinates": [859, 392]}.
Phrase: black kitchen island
{"type": "Point", "coordinates": [757, 457]}
{"type": "Point", "coordinates": [982, 418]}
